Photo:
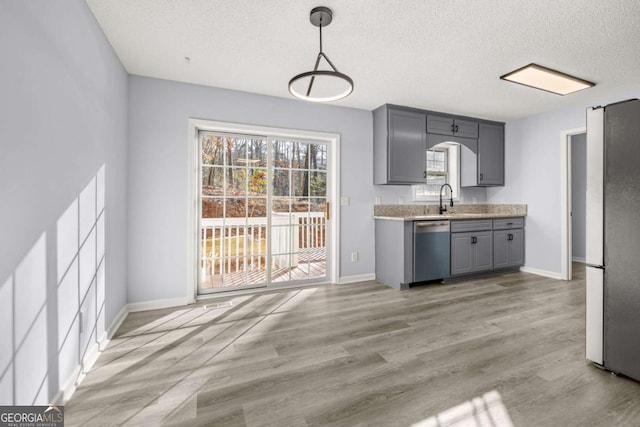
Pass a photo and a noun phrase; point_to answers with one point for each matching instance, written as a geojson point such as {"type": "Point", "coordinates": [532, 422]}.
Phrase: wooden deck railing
{"type": "Point", "coordinates": [240, 244]}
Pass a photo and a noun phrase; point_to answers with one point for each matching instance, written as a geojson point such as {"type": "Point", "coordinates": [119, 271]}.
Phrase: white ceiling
{"type": "Point", "coordinates": [432, 54]}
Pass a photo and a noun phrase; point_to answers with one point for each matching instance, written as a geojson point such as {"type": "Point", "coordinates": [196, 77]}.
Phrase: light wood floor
{"type": "Point", "coordinates": [498, 351]}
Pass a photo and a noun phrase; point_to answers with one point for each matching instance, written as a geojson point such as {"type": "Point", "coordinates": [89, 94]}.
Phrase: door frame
{"type": "Point", "coordinates": [566, 254]}
{"type": "Point", "coordinates": [193, 156]}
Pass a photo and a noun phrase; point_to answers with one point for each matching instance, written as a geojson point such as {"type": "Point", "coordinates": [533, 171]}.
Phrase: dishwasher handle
{"type": "Point", "coordinates": [431, 226]}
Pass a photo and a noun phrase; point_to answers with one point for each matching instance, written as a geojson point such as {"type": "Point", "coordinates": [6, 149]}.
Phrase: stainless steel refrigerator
{"type": "Point", "coordinates": [613, 237]}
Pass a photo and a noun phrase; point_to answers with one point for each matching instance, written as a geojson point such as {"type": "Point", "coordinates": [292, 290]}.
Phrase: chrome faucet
{"type": "Point", "coordinates": [443, 209]}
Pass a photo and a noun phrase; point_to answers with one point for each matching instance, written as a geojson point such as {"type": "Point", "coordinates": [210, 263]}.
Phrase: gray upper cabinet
{"type": "Point", "coordinates": [399, 145]}
{"type": "Point", "coordinates": [401, 136]}
{"type": "Point", "coordinates": [443, 125]}
{"type": "Point", "coordinates": [485, 166]}
{"type": "Point", "coordinates": [491, 154]}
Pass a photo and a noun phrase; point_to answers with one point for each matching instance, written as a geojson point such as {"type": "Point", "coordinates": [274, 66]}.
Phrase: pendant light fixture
{"type": "Point", "coordinates": [321, 85]}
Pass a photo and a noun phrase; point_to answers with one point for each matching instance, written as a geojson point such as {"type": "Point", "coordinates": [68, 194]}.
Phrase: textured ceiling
{"type": "Point", "coordinates": [432, 54]}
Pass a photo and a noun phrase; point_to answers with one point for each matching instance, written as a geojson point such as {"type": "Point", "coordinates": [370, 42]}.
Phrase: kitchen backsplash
{"type": "Point", "coordinates": [403, 194]}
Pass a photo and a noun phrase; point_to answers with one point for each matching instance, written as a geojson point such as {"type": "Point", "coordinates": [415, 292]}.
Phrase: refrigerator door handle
{"type": "Point", "coordinates": [595, 314]}
{"type": "Point", "coordinates": [595, 187]}
{"type": "Point", "coordinates": [601, 267]}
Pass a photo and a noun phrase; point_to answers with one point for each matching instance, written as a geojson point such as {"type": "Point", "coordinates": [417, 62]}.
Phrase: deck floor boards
{"type": "Point", "coordinates": [311, 265]}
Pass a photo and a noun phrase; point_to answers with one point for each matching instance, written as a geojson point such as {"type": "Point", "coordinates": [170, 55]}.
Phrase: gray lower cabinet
{"type": "Point", "coordinates": [394, 253]}
{"type": "Point", "coordinates": [476, 246]}
{"type": "Point", "coordinates": [400, 141]}
{"type": "Point", "coordinates": [471, 246]}
{"type": "Point", "coordinates": [471, 252]}
{"type": "Point", "coordinates": [508, 242]}
{"type": "Point", "coordinates": [508, 248]}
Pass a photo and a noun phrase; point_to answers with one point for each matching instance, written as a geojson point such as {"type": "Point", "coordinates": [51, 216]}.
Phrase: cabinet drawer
{"type": "Point", "coordinates": [443, 125]}
{"type": "Point", "coordinates": [440, 125]}
{"type": "Point", "coordinates": [466, 128]}
{"type": "Point", "coordinates": [508, 223]}
{"type": "Point", "coordinates": [471, 225]}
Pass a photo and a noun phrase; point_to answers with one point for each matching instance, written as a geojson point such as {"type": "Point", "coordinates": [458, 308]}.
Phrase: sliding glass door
{"type": "Point", "coordinates": [263, 204]}
{"type": "Point", "coordinates": [298, 211]}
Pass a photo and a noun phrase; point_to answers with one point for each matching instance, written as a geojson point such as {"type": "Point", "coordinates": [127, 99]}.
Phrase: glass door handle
{"type": "Point", "coordinates": [327, 213]}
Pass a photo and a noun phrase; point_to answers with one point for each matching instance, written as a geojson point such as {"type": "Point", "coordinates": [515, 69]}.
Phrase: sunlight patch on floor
{"type": "Point", "coordinates": [482, 411]}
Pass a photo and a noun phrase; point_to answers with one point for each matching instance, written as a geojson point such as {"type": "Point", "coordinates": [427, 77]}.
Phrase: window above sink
{"type": "Point", "coordinates": [442, 166]}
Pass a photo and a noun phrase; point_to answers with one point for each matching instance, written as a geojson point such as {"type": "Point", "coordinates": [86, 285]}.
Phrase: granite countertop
{"type": "Point", "coordinates": [436, 217]}
{"type": "Point", "coordinates": [460, 211]}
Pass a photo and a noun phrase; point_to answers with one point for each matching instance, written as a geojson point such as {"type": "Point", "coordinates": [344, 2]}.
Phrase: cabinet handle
{"type": "Point", "coordinates": [510, 236]}
{"type": "Point", "coordinates": [453, 128]}
{"type": "Point", "coordinates": [481, 176]}
{"type": "Point", "coordinates": [456, 131]}
{"type": "Point", "coordinates": [424, 175]}
{"type": "Point", "coordinates": [509, 223]}
{"type": "Point", "coordinates": [474, 240]}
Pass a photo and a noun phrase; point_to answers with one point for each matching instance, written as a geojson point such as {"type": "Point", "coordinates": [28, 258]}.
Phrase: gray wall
{"type": "Point", "coordinates": [157, 207]}
{"type": "Point", "coordinates": [579, 196]}
{"type": "Point", "coordinates": [64, 115]}
{"type": "Point", "coordinates": [532, 175]}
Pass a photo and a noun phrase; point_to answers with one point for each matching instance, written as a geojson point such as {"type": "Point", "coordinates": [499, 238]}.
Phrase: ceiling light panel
{"type": "Point", "coordinates": [543, 78]}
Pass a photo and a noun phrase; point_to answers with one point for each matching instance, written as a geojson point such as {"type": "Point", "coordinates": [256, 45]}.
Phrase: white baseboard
{"type": "Point", "coordinates": [157, 304]}
{"type": "Point", "coordinates": [83, 369]}
{"type": "Point", "coordinates": [579, 259]}
{"type": "Point", "coordinates": [93, 352]}
{"type": "Point", "coordinates": [117, 321]}
{"type": "Point", "coordinates": [357, 278]}
{"type": "Point", "coordinates": [69, 387]}
{"type": "Point", "coordinates": [544, 273]}
{"type": "Point", "coordinates": [90, 358]}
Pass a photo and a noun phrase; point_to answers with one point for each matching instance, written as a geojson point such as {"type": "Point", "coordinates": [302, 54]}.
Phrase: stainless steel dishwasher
{"type": "Point", "coordinates": [431, 250]}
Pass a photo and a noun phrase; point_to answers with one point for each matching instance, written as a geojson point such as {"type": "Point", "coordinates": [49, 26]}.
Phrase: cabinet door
{"type": "Point", "coordinates": [440, 125]}
{"type": "Point", "coordinates": [407, 147]}
{"type": "Point", "coordinates": [508, 248]}
{"type": "Point", "coordinates": [516, 247]}
{"type": "Point", "coordinates": [501, 248]}
{"type": "Point", "coordinates": [461, 253]}
{"type": "Point", "coordinates": [483, 251]}
{"type": "Point", "coordinates": [491, 154]}
{"type": "Point", "coordinates": [465, 128]}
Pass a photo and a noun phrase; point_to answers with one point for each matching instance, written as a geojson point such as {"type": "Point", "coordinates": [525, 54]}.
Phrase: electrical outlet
{"type": "Point", "coordinates": [378, 200]}
{"type": "Point", "coordinates": [401, 200]}
{"type": "Point", "coordinates": [354, 257]}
